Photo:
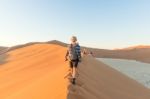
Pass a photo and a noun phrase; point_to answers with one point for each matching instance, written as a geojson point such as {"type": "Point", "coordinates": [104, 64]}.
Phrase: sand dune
{"type": "Point", "coordinates": [34, 72]}
{"type": "Point", "coordinates": [37, 72]}
{"type": "Point", "coordinates": [139, 54]}
{"type": "Point", "coordinates": [32, 43]}
{"type": "Point", "coordinates": [98, 81]}
{"type": "Point", "coordinates": [136, 47]}
{"type": "Point", "coordinates": [2, 49]}
{"type": "Point", "coordinates": [57, 43]}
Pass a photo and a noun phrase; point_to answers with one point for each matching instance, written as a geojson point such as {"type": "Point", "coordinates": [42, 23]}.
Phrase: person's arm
{"type": "Point", "coordinates": [67, 53]}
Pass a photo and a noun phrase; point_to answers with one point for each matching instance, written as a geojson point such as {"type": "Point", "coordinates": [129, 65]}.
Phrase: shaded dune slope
{"type": "Point", "coordinates": [99, 81]}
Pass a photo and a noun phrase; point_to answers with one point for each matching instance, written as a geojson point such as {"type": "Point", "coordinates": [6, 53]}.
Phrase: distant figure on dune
{"type": "Point", "coordinates": [84, 52]}
{"type": "Point", "coordinates": [91, 53]}
{"type": "Point", "coordinates": [74, 56]}
{"type": "Point", "coordinates": [87, 52]}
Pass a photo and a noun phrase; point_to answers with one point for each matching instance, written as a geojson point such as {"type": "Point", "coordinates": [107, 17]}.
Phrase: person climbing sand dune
{"type": "Point", "coordinates": [73, 55]}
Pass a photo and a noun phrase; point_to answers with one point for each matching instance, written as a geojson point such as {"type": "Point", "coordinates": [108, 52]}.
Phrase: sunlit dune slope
{"type": "Point", "coordinates": [34, 72]}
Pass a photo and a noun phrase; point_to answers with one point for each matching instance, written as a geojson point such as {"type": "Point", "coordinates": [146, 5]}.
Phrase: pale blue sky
{"type": "Point", "coordinates": [97, 23]}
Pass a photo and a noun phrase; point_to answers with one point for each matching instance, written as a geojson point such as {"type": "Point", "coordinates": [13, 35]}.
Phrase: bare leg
{"type": "Point", "coordinates": [74, 76]}
{"type": "Point", "coordinates": [77, 73]}
{"type": "Point", "coordinates": [74, 72]}
{"type": "Point", "coordinates": [71, 71]}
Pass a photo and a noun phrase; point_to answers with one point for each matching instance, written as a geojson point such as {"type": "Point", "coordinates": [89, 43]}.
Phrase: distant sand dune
{"type": "Point", "coordinates": [3, 49]}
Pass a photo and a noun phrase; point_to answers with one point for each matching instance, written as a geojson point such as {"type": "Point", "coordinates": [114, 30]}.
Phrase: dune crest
{"type": "Point", "coordinates": [137, 47]}
{"type": "Point", "coordinates": [139, 53]}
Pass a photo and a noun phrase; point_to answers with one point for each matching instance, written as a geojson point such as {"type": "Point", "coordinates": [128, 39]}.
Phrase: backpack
{"type": "Point", "coordinates": [74, 52]}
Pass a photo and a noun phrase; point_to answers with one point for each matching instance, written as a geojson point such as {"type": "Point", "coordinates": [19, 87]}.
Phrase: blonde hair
{"type": "Point", "coordinates": [73, 39]}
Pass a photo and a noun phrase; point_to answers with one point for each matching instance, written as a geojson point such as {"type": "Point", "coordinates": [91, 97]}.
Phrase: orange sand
{"type": "Point", "coordinates": [34, 72]}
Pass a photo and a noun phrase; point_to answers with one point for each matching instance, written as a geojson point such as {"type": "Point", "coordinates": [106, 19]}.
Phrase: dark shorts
{"type": "Point", "coordinates": [74, 63]}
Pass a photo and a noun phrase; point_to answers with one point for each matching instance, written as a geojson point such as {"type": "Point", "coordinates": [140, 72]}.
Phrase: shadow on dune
{"type": "Point", "coordinates": [74, 92]}
{"type": "Point", "coordinates": [3, 58]}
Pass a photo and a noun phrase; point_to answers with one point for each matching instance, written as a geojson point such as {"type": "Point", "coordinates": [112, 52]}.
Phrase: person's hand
{"type": "Point", "coordinates": [66, 59]}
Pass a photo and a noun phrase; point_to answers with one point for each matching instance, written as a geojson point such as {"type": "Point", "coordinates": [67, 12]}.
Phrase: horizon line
{"type": "Point", "coordinates": [118, 48]}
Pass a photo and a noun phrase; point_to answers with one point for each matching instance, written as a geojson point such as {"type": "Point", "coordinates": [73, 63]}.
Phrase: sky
{"type": "Point", "coordinates": [104, 24]}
